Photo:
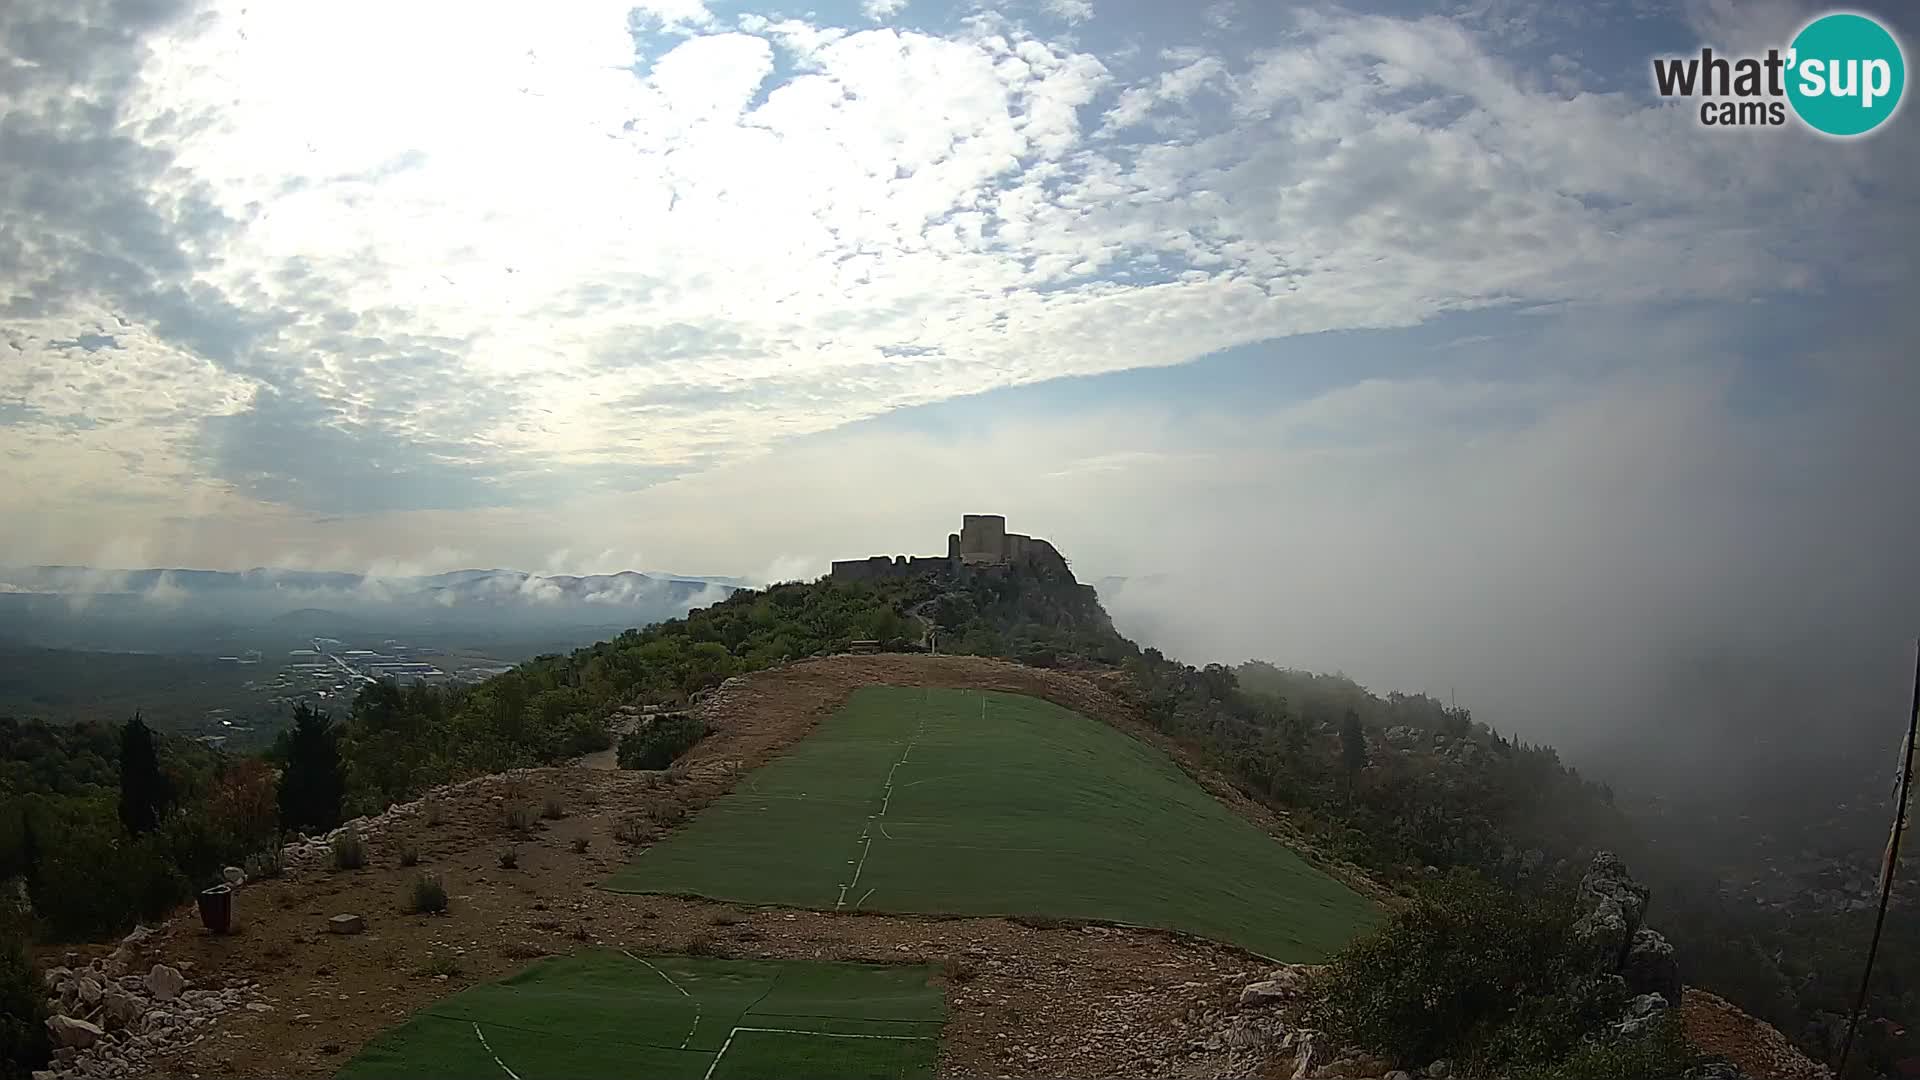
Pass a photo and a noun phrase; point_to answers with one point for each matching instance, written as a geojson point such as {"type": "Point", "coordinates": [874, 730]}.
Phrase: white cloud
{"type": "Point", "coordinates": [497, 250]}
{"type": "Point", "coordinates": [882, 10]}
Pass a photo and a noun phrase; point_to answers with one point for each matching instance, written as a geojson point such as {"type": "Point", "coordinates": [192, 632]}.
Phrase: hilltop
{"type": "Point", "coordinates": [1393, 796]}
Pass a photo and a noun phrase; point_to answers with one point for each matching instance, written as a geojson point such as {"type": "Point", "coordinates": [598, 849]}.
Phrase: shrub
{"type": "Point", "coordinates": [23, 1013]}
{"type": "Point", "coordinates": [1660, 1054]}
{"type": "Point", "coordinates": [447, 965]}
{"type": "Point", "coordinates": [520, 816]}
{"type": "Point", "coordinates": [265, 864]}
{"type": "Point", "coordinates": [703, 944]}
{"type": "Point", "coordinates": [429, 895]}
{"type": "Point", "coordinates": [635, 832]}
{"type": "Point", "coordinates": [552, 808]}
{"type": "Point", "coordinates": [409, 853]}
{"type": "Point", "coordinates": [434, 813]}
{"type": "Point", "coordinates": [670, 814]}
{"type": "Point", "coordinates": [1448, 972]}
{"type": "Point", "coordinates": [958, 969]}
{"type": "Point", "coordinates": [349, 852]}
{"type": "Point", "coordinates": [580, 845]}
{"type": "Point", "coordinates": [508, 858]}
{"type": "Point", "coordinates": [662, 743]}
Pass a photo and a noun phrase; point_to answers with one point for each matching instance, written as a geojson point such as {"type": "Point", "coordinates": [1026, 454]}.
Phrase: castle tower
{"type": "Point", "coordinates": [983, 535]}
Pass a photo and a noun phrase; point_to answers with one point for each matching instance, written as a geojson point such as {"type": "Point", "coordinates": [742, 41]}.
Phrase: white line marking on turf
{"type": "Point", "coordinates": [866, 833]}
{"type": "Point", "coordinates": [494, 1056]}
{"type": "Point", "coordinates": [683, 993]}
{"type": "Point", "coordinates": [796, 1031]}
{"type": "Point", "coordinates": [862, 900]}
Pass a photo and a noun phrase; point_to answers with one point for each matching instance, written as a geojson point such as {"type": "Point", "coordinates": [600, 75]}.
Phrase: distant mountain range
{"type": "Point", "coordinates": [90, 607]}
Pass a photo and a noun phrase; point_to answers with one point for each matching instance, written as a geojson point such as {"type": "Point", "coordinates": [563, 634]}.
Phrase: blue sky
{"type": "Point", "coordinates": [1357, 324]}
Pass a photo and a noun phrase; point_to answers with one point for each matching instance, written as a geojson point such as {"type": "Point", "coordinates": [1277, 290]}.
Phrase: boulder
{"type": "Point", "coordinates": [68, 1032]}
{"type": "Point", "coordinates": [165, 983]}
{"type": "Point", "coordinates": [1642, 1012]}
{"type": "Point", "coordinates": [136, 937]}
{"type": "Point", "coordinates": [122, 1009]}
{"type": "Point", "coordinates": [346, 924]}
{"type": "Point", "coordinates": [1611, 904]}
{"type": "Point", "coordinates": [1440, 1070]}
{"type": "Point", "coordinates": [234, 876]}
{"type": "Point", "coordinates": [1651, 967]}
{"type": "Point", "coordinates": [87, 991]}
{"type": "Point", "coordinates": [1401, 736]}
{"type": "Point", "coordinates": [57, 975]}
{"type": "Point", "coordinates": [1265, 992]}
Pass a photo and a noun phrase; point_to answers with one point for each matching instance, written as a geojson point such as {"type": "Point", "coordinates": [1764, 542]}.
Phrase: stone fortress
{"type": "Point", "coordinates": [983, 545]}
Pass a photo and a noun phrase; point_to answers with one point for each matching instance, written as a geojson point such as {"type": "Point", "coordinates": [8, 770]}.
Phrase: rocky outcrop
{"type": "Point", "coordinates": [1612, 905]}
{"type": "Point", "coordinates": [1650, 966]}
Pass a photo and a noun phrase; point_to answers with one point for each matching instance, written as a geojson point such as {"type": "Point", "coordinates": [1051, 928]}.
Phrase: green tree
{"type": "Point", "coordinates": [144, 792]}
{"type": "Point", "coordinates": [23, 1014]}
{"type": "Point", "coordinates": [314, 783]}
{"type": "Point", "coordinates": [1353, 747]}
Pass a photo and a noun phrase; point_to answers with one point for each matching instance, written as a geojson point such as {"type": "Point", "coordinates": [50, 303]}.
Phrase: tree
{"type": "Point", "coordinates": [144, 793]}
{"type": "Point", "coordinates": [1353, 747]}
{"type": "Point", "coordinates": [314, 784]}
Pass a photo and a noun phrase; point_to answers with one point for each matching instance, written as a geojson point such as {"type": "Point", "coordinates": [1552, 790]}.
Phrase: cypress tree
{"type": "Point", "coordinates": [144, 794]}
{"type": "Point", "coordinates": [314, 783]}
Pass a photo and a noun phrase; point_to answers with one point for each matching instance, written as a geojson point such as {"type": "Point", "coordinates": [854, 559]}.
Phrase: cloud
{"type": "Point", "coordinates": [515, 261]}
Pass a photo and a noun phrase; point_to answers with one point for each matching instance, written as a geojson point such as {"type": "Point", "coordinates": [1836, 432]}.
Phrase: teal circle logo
{"type": "Point", "coordinates": [1845, 74]}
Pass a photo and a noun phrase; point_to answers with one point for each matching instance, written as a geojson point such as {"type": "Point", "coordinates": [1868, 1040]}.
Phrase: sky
{"type": "Point", "coordinates": [1420, 342]}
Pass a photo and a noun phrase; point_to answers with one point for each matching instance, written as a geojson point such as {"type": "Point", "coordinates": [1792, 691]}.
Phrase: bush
{"type": "Point", "coordinates": [635, 832]}
{"type": "Point", "coordinates": [429, 895]}
{"type": "Point", "coordinates": [552, 808]}
{"type": "Point", "coordinates": [409, 853]}
{"type": "Point", "coordinates": [78, 901]}
{"type": "Point", "coordinates": [958, 969]}
{"type": "Point", "coordinates": [265, 864]}
{"type": "Point", "coordinates": [349, 852]}
{"type": "Point", "coordinates": [509, 858]}
{"type": "Point", "coordinates": [447, 965]}
{"type": "Point", "coordinates": [1467, 971]}
{"type": "Point", "coordinates": [580, 845]}
{"type": "Point", "coordinates": [663, 742]}
{"type": "Point", "coordinates": [1660, 1054]}
{"type": "Point", "coordinates": [520, 816]}
{"type": "Point", "coordinates": [434, 813]}
{"type": "Point", "coordinates": [23, 1014]}
{"type": "Point", "coordinates": [703, 944]}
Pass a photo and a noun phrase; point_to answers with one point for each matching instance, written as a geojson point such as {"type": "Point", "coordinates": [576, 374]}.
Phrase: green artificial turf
{"type": "Point", "coordinates": [971, 803]}
{"type": "Point", "coordinates": [608, 1014]}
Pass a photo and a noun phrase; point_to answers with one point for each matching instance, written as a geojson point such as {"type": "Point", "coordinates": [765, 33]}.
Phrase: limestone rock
{"type": "Point", "coordinates": [234, 876]}
{"type": "Point", "coordinates": [346, 924]}
{"type": "Point", "coordinates": [68, 1032]}
{"type": "Point", "coordinates": [1307, 1054]}
{"type": "Point", "coordinates": [1642, 1013]}
{"type": "Point", "coordinates": [1440, 1070]}
{"type": "Point", "coordinates": [1650, 966]}
{"type": "Point", "coordinates": [87, 991]}
{"type": "Point", "coordinates": [165, 983]}
{"type": "Point", "coordinates": [1612, 904]}
{"type": "Point", "coordinates": [122, 1009]}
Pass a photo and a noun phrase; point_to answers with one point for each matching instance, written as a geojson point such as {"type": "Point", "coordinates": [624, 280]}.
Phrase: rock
{"type": "Point", "coordinates": [157, 1020]}
{"type": "Point", "coordinates": [68, 1032]}
{"type": "Point", "coordinates": [136, 937]}
{"type": "Point", "coordinates": [1612, 904]}
{"type": "Point", "coordinates": [1401, 736]}
{"type": "Point", "coordinates": [1307, 1054]}
{"type": "Point", "coordinates": [87, 991]}
{"type": "Point", "coordinates": [1642, 1012]}
{"type": "Point", "coordinates": [234, 876]}
{"type": "Point", "coordinates": [1650, 966]}
{"type": "Point", "coordinates": [57, 975]}
{"type": "Point", "coordinates": [122, 1009]}
{"type": "Point", "coordinates": [1399, 1074]}
{"type": "Point", "coordinates": [259, 1007]}
{"type": "Point", "coordinates": [346, 924]}
{"type": "Point", "coordinates": [1440, 1070]}
{"type": "Point", "coordinates": [165, 983]}
{"type": "Point", "coordinates": [1266, 992]}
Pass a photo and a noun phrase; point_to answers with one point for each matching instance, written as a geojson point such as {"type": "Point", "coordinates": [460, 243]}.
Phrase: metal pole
{"type": "Point", "coordinates": [1893, 862]}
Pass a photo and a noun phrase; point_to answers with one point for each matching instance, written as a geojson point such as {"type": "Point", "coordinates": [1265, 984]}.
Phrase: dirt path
{"type": "Point", "coordinates": [1027, 998]}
